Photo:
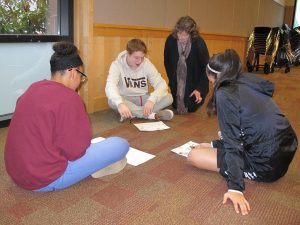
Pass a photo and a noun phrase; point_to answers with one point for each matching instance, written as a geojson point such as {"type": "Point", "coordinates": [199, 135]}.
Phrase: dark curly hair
{"type": "Point", "coordinates": [65, 56]}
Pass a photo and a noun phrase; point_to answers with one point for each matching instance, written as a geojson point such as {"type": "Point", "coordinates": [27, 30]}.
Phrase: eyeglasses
{"type": "Point", "coordinates": [83, 77]}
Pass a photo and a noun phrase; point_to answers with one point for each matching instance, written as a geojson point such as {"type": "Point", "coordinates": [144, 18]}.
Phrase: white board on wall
{"type": "Point", "coordinates": [21, 64]}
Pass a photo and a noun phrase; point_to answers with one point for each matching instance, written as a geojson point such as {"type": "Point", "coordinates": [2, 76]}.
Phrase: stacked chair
{"type": "Point", "coordinates": [279, 47]}
{"type": "Point", "coordinates": [263, 41]}
{"type": "Point", "coordinates": [295, 45]}
{"type": "Point", "coordinates": [285, 57]}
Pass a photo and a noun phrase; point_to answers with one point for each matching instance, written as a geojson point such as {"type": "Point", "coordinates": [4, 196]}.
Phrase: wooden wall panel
{"type": "Point", "coordinates": [109, 41]}
{"type": "Point", "coordinates": [174, 10]}
{"type": "Point", "coordinates": [218, 43]}
{"type": "Point", "coordinates": [245, 17]}
{"type": "Point", "coordinates": [213, 15]}
{"type": "Point", "coordinates": [288, 15]}
{"type": "Point", "coordinates": [145, 13]}
{"type": "Point", "coordinates": [234, 17]}
{"type": "Point", "coordinates": [99, 44]}
{"type": "Point", "coordinates": [223, 24]}
{"type": "Point", "coordinates": [271, 14]}
{"type": "Point", "coordinates": [156, 54]}
{"type": "Point", "coordinates": [83, 38]}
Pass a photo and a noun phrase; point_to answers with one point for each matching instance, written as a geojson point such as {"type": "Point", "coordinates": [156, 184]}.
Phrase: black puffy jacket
{"type": "Point", "coordinates": [256, 134]}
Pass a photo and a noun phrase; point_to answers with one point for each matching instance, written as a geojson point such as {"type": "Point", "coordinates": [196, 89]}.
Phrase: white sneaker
{"type": "Point", "coordinates": [116, 167]}
{"type": "Point", "coordinates": [165, 114]}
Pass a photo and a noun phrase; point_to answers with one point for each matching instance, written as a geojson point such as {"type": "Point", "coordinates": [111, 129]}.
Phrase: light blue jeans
{"type": "Point", "coordinates": [98, 155]}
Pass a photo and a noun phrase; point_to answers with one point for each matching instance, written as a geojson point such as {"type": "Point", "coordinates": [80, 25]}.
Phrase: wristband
{"type": "Point", "coordinates": [231, 190]}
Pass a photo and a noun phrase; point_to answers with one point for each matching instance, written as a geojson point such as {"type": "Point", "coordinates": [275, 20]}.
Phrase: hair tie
{"type": "Point", "coordinates": [212, 70]}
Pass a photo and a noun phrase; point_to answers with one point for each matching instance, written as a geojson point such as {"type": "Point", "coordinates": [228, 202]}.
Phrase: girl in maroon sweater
{"type": "Point", "coordinates": [48, 145]}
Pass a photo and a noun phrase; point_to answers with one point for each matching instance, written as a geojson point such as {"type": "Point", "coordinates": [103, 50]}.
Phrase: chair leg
{"type": "Point", "coordinates": [257, 61]}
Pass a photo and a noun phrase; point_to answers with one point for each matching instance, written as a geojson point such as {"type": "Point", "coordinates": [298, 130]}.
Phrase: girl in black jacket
{"type": "Point", "coordinates": [258, 142]}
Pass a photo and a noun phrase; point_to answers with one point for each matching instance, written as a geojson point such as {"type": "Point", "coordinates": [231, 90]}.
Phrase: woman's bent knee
{"type": "Point", "coordinates": [120, 145]}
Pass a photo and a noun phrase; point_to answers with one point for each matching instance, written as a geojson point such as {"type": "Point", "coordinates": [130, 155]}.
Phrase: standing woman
{"type": "Point", "coordinates": [257, 142]}
{"type": "Point", "coordinates": [185, 59]}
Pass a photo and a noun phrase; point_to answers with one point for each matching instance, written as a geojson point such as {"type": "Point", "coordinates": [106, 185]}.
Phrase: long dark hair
{"type": "Point", "coordinates": [225, 67]}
